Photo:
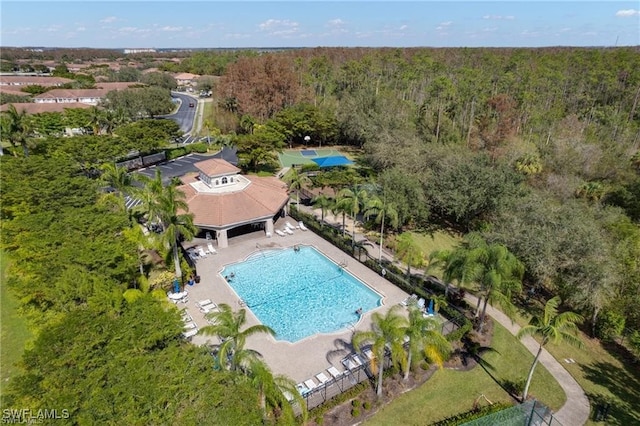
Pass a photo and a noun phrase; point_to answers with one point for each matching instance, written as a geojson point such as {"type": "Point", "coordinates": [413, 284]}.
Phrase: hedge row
{"type": "Point", "coordinates": [173, 153]}
{"type": "Point", "coordinates": [466, 417]}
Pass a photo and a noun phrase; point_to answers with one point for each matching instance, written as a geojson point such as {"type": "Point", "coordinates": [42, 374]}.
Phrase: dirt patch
{"type": "Point", "coordinates": [367, 404]}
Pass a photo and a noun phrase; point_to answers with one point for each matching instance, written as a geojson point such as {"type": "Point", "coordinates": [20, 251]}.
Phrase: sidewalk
{"type": "Point", "coordinates": [575, 411]}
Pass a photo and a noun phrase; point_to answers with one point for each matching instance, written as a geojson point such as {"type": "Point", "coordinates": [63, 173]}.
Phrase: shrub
{"type": "Point", "coordinates": [609, 326]}
{"type": "Point", "coordinates": [366, 405]}
{"type": "Point", "coordinates": [355, 412]}
{"type": "Point", "coordinates": [319, 420]}
{"type": "Point", "coordinates": [355, 403]}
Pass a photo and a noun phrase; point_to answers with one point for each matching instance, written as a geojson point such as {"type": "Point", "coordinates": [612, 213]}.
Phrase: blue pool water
{"type": "Point", "coordinates": [299, 294]}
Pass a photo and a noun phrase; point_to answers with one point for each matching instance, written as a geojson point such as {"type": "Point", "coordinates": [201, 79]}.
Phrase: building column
{"type": "Point", "coordinates": [221, 235]}
{"type": "Point", "coordinates": [268, 227]}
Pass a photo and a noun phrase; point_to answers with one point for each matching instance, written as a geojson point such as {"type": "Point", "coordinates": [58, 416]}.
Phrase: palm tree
{"type": "Point", "coordinates": [387, 331]}
{"type": "Point", "coordinates": [116, 177]}
{"type": "Point", "coordinates": [352, 199]}
{"type": "Point", "coordinates": [453, 265]}
{"type": "Point", "coordinates": [499, 274]}
{"type": "Point", "coordinates": [324, 203]}
{"type": "Point", "coordinates": [408, 252]}
{"type": "Point", "coordinates": [16, 128]}
{"type": "Point", "coordinates": [425, 340]}
{"type": "Point", "coordinates": [168, 207]}
{"type": "Point", "coordinates": [382, 209]}
{"type": "Point", "coordinates": [96, 119]}
{"type": "Point", "coordinates": [592, 191]}
{"type": "Point", "coordinates": [227, 324]}
{"type": "Point", "coordinates": [551, 327]}
{"type": "Point", "coordinates": [341, 207]}
{"type": "Point", "coordinates": [175, 225]}
{"type": "Point", "coordinates": [272, 389]}
{"type": "Point", "coordinates": [297, 181]}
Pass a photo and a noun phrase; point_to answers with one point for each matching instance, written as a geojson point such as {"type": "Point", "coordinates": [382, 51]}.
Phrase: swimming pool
{"type": "Point", "coordinates": [300, 293]}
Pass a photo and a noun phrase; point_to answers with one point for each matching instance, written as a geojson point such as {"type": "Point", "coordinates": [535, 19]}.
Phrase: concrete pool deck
{"type": "Point", "coordinates": [306, 358]}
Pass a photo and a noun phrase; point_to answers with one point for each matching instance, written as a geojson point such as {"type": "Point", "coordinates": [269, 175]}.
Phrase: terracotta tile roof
{"type": "Point", "coordinates": [185, 76]}
{"type": "Point", "coordinates": [261, 199]}
{"type": "Point", "coordinates": [33, 108]}
{"type": "Point", "coordinates": [119, 85]}
{"type": "Point", "coordinates": [13, 90]}
{"type": "Point", "coordinates": [25, 80]}
{"type": "Point", "coordinates": [216, 167]}
{"type": "Point", "coordinates": [73, 94]}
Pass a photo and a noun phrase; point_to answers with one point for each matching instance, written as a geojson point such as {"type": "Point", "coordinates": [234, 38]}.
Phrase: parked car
{"type": "Point", "coordinates": [191, 104]}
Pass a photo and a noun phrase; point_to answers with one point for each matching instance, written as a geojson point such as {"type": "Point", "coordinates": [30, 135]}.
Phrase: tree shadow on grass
{"type": "Point", "coordinates": [625, 406]}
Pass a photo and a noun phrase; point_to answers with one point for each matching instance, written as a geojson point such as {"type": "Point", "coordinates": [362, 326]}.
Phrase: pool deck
{"type": "Point", "coordinates": [306, 358]}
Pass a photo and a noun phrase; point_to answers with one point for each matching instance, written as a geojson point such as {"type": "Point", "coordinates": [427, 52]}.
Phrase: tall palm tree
{"type": "Point", "coordinates": [272, 390]}
{"type": "Point", "coordinates": [387, 331]}
{"type": "Point", "coordinates": [16, 128]}
{"type": "Point", "coordinates": [227, 325]}
{"type": "Point", "coordinates": [381, 209]}
{"type": "Point", "coordinates": [409, 253]}
{"type": "Point", "coordinates": [175, 224]}
{"type": "Point", "coordinates": [166, 205]}
{"type": "Point", "coordinates": [498, 273]}
{"type": "Point", "coordinates": [297, 181]}
{"type": "Point", "coordinates": [550, 327]}
{"type": "Point", "coordinates": [341, 207]}
{"type": "Point", "coordinates": [324, 203]}
{"type": "Point", "coordinates": [453, 264]}
{"type": "Point", "coordinates": [425, 339]}
{"type": "Point", "coordinates": [116, 177]}
{"type": "Point", "coordinates": [352, 200]}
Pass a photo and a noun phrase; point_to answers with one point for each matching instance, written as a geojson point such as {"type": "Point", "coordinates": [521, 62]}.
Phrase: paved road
{"type": "Point", "coordinates": [575, 411]}
{"type": "Point", "coordinates": [185, 115]}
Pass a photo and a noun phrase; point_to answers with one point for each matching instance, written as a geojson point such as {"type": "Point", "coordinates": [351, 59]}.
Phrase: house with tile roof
{"type": "Point", "coordinates": [29, 80]}
{"type": "Point", "coordinates": [229, 204]}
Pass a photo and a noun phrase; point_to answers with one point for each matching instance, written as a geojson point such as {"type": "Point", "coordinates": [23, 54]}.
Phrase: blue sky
{"type": "Point", "coordinates": [187, 24]}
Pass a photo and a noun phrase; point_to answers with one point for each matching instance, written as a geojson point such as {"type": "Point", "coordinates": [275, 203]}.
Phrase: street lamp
{"type": "Point", "coordinates": [306, 140]}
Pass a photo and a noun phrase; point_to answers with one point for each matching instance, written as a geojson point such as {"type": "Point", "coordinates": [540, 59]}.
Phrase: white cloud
{"type": "Point", "coordinates": [109, 19]}
{"type": "Point", "coordinates": [404, 27]}
{"type": "Point", "coordinates": [444, 25]}
{"type": "Point", "coordinates": [499, 17]}
{"type": "Point", "coordinates": [81, 29]}
{"type": "Point", "coordinates": [171, 29]}
{"type": "Point", "coordinates": [336, 22]}
{"type": "Point", "coordinates": [627, 12]}
{"type": "Point", "coordinates": [279, 27]}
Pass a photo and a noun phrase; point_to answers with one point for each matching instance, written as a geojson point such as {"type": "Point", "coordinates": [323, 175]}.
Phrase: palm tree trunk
{"type": "Point", "coordinates": [176, 261]}
{"type": "Point", "coordinates": [478, 306]}
{"type": "Point", "coordinates": [343, 224]}
{"type": "Point", "coordinates": [533, 367]}
{"type": "Point", "coordinates": [482, 315]}
{"type": "Point", "coordinates": [353, 240]}
{"type": "Point", "coordinates": [381, 237]}
{"type": "Point", "coordinates": [406, 373]}
{"type": "Point", "coordinates": [380, 370]}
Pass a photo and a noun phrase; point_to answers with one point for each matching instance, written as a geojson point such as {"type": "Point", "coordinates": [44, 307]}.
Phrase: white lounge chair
{"type": "Point", "coordinates": [304, 228]}
{"type": "Point", "coordinates": [289, 225]}
{"type": "Point", "coordinates": [409, 299]}
{"type": "Point", "coordinates": [322, 378]}
{"type": "Point", "coordinates": [367, 352]}
{"type": "Point", "coordinates": [201, 252]}
{"type": "Point", "coordinates": [205, 309]}
{"type": "Point", "coordinates": [421, 303]}
{"type": "Point", "coordinates": [287, 230]}
{"type": "Point", "coordinates": [335, 373]}
{"type": "Point", "coordinates": [279, 232]}
{"type": "Point", "coordinates": [349, 364]}
{"type": "Point", "coordinates": [212, 250]}
{"type": "Point", "coordinates": [190, 333]}
{"type": "Point", "coordinates": [310, 384]}
{"type": "Point", "coordinates": [190, 326]}
{"type": "Point", "coordinates": [203, 302]}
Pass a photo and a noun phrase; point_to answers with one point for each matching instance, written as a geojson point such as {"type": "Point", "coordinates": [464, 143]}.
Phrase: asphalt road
{"type": "Point", "coordinates": [185, 115]}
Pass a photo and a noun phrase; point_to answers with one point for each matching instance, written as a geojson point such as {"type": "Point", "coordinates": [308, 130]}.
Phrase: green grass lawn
{"type": "Point", "coordinates": [436, 240]}
{"type": "Point", "coordinates": [450, 392]}
{"type": "Point", "coordinates": [14, 331]}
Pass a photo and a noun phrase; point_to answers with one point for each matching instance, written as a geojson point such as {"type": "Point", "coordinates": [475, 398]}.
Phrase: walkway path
{"type": "Point", "coordinates": [575, 411]}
